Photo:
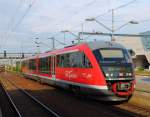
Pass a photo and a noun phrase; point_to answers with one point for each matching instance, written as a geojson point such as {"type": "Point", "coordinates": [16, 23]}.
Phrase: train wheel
{"type": "Point", "coordinates": [77, 91]}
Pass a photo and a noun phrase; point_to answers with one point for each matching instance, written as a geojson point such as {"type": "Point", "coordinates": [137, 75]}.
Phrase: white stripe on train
{"type": "Point", "coordinates": [70, 82]}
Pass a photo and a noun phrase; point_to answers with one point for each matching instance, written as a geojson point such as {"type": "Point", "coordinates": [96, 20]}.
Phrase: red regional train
{"type": "Point", "coordinates": [102, 70]}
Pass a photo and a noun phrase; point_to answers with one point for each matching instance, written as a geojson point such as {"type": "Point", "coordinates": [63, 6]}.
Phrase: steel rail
{"type": "Point", "coordinates": [142, 90]}
{"type": "Point", "coordinates": [11, 100]}
{"type": "Point", "coordinates": [35, 100]}
{"type": "Point", "coordinates": [141, 111]}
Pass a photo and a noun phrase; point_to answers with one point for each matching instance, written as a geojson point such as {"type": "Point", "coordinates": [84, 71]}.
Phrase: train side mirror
{"type": "Point", "coordinates": [132, 53]}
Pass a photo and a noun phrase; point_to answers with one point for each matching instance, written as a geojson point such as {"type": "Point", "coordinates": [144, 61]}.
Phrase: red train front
{"type": "Point", "coordinates": [102, 70]}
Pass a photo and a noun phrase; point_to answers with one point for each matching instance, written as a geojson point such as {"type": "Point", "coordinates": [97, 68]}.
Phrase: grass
{"type": "Point", "coordinates": [142, 72]}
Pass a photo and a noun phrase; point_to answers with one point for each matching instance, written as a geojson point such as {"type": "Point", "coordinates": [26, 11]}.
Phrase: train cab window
{"type": "Point", "coordinates": [44, 65]}
{"type": "Point", "coordinates": [32, 64]}
{"type": "Point", "coordinates": [73, 60]}
{"type": "Point", "coordinates": [109, 54]}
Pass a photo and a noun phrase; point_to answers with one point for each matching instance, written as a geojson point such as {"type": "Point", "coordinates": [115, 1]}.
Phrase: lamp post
{"type": "Point", "coordinates": [38, 46]}
{"type": "Point", "coordinates": [42, 44]}
{"type": "Point", "coordinates": [112, 30]}
{"type": "Point", "coordinates": [78, 36]}
{"type": "Point", "coordinates": [64, 36]}
{"type": "Point", "coordinates": [53, 42]}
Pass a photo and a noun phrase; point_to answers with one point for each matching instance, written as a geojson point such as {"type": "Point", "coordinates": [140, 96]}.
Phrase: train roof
{"type": "Point", "coordinates": [93, 45]}
{"type": "Point", "coordinates": [103, 44]}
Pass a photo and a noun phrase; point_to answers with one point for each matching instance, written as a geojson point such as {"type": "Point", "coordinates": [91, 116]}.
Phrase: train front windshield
{"type": "Point", "coordinates": [115, 63]}
{"type": "Point", "coordinates": [110, 54]}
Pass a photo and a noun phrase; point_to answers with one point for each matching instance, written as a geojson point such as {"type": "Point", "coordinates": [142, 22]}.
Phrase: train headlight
{"type": "Point", "coordinates": [111, 74]}
{"type": "Point", "coordinates": [120, 74]}
{"type": "Point", "coordinates": [127, 74]}
{"type": "Point", "coordinates": [130, 74]}
{"type": "Point", "coordinates": [107, 75]}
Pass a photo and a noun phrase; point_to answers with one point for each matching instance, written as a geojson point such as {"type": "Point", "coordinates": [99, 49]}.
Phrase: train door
{"type": "Point", "coordinates": [53, 67]}
{"type": "Point", "coordinates": [50, 66]}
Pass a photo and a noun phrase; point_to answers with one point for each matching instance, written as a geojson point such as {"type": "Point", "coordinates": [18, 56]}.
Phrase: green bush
{"type": "Point", "coordinates": [140, 69]}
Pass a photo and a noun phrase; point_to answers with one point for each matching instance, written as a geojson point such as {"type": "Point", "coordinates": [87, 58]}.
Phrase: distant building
{"type": "Point", "coordinates": [12, 58]}
{"type": "Point", "coordinates": [146, 41]}
{"type": "Point", "coordinates": [141, 47]}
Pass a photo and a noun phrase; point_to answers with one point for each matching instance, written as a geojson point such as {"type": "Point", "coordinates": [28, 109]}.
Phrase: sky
{"type": "Point", "coordinates": [22, 22]}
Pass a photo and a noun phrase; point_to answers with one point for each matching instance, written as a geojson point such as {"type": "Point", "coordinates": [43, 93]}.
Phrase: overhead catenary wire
{"type": "Point", "coordinates": [124, 5]}
{"type": "Point", "coordinates": [20, 20]}
{"type": "Point", "coordinates": [79, 11]}
{"type": "Point", "coordinates": [144, 20]}
{"type": "Point", "coordinates": [11, 21]}
{"type": "Point", "coordinates": [121, 6]}
{"type": "Point", "coordinates": [13, 28]}
{"type": "Point", "coordinates": [10, 24]}
{"type": "Point", "coordinates": [91, 2]}
{"type": "Point", "coordinates": [83, 7]}
{"type": "Point", "coordinates": [25, 13]}
{"type": "Point", "coordinates": [87, 4]}
{"type": "Point", "coordinates": [110, 10]}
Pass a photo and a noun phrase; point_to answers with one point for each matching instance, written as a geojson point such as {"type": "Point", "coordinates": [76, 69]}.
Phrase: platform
{"type": "Point", "coordinates": [143, 83]}
{"type": "Point", "coordinates": [141, 95]}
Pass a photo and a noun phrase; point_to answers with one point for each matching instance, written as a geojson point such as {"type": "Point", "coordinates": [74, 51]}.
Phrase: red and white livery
{"type": "Point", "coordinates": [99, 69]}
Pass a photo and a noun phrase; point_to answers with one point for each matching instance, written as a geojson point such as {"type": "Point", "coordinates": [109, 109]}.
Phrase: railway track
{"type": "Point", "coordinates": [142, 90]}
{"type": "Point", "coordinates": [87, 107]}
{"type": "Point", "coordinates": [24, 104]}
{"type": "Point", "coordinates": [7, 105]}
{"type": "Point", "coordinates": [141, 111]}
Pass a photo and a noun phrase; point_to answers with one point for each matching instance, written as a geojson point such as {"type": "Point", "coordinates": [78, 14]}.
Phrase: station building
{"type": "Point", "coordinates": [10, 59]}
{"type": "Point", "coordinates": [141, 47]}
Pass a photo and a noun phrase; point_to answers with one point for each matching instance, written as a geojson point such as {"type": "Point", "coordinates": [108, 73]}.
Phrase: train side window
{"type": "Point", "coordinates": [32, 64]}
{"type": "Point", "coordinates": [44, 65]}
{"type": "Point", "coordinates": [66, 60]}
{"type": "Point", "coordinates": [23, 64]}
{"type": "Point", "coordinates": [73, 60]}
{"type": "Point", "coordinates": [63, 60]}
{"type": "Point", "coordinates": [86, 62]}
{"type": "Point", "coordinates": [79, 60]}
{"type": "Point", "coordinates": [40, 64]}
{"type": "Point", "coordinates": [49, 64]}
{"type": "Point", "coordinates": [27, 63]}
{"type": "Point", "coordinates": [60, 60]}
{"type": "Point", "coordinates": [76, 60]}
